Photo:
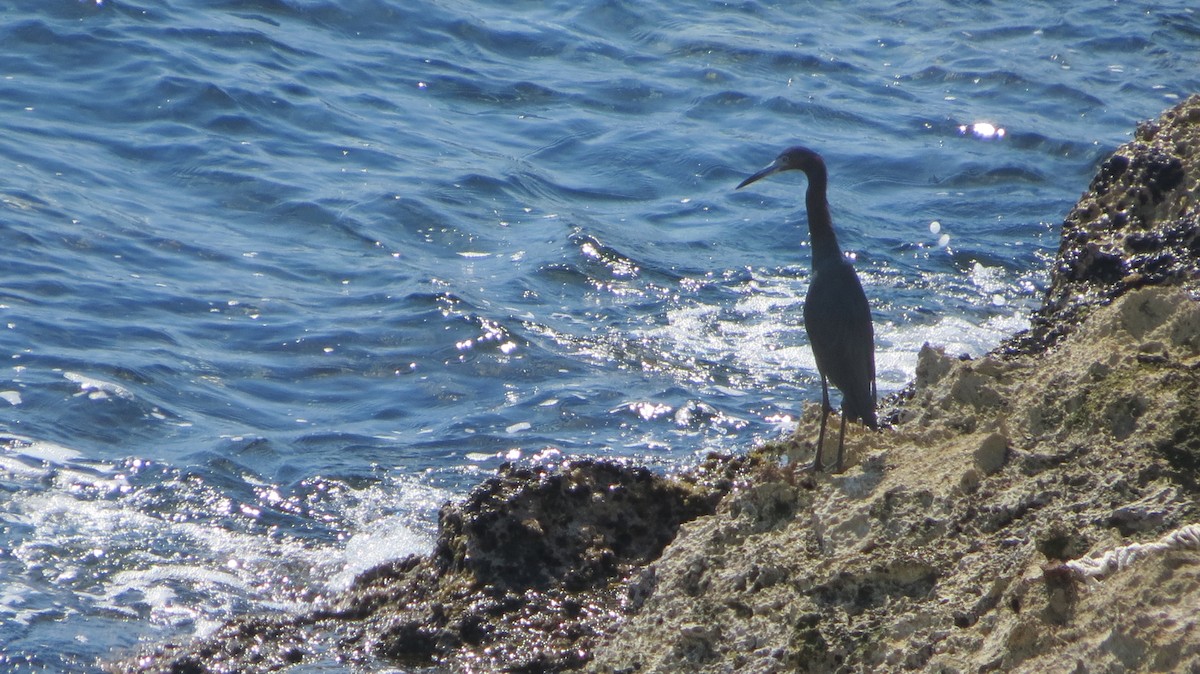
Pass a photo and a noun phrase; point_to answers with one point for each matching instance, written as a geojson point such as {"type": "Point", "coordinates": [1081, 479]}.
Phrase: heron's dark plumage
{"type": "Point", "coordinates": [837, 317]}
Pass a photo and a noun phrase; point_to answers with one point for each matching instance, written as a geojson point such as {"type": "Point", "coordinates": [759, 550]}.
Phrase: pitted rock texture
{"type": "Point", "coordinates": [1137, 225]}
{"type": "Point", "coordinates": [953, 541]}
{"type": "Point", "coordinates": [940, 549]}
{"type": "Point", "coordinates": [527, 573]}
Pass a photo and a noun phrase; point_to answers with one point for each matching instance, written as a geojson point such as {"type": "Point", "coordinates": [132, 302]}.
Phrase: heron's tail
{"type": "Point", "coordinates": [861, 408]}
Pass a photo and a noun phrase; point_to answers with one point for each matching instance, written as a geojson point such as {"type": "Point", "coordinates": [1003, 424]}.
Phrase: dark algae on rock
{"type": "Point", "coordinates": [526, 574]}
{"type": "Point", "coordinates": [1137, 225]}
{"type": "Point", "coordinates": [1033, 510]}
{"type": "Point", "coordinates": [528, 568]}
{"type": "Point", "coordinates": [533, 529]}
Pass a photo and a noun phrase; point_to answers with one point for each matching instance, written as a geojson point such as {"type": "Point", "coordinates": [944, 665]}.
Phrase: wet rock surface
{"type": "Point", "coordinates": [1036, 509]}
{"type": "Point", "coordinates": [526, 575]}
{"type": "Point", "coordinates": [1137, 225]}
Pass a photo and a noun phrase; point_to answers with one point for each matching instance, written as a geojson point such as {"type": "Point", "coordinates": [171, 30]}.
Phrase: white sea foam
{"type": "Point", "coordinates": [41, 450]}
{"type": "Point", "coordinates": [384, 540]}
{"type": "Point", "coordinates": [763, 334]}
{"type": "Point", "coordinates": [140, 551]}
{"type": "Point", "coordinates": [97, 388]}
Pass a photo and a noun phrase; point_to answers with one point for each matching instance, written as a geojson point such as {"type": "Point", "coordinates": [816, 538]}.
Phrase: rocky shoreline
{"type": "Point", "coordinates": [1036, 509]}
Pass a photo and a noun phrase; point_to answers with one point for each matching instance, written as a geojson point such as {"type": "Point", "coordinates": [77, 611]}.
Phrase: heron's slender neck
{"type": "Point", "coordinates": [820, 225]}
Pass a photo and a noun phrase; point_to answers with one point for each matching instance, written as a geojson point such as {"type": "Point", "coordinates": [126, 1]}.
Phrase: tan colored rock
{"type": "Point", "coordinates": [894, 565]}
{"type": "Point", "coordinates": [961, 538]}
{"type": "Point", "coordinates": [991, 453]}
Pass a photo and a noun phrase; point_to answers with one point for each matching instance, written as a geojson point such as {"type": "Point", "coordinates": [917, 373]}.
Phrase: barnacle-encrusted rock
{"type": "Point", "coordinates": [1137, 225]}
{"type": "Point", "coordinates": [527, 573]}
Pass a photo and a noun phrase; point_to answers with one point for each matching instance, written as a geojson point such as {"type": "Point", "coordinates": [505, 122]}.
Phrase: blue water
{"type": "Point", "coordinates": [279, 277]}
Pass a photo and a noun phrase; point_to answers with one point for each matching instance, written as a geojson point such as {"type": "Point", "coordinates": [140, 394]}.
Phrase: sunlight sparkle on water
{"type": "Point", "coordinates": [982, 130]}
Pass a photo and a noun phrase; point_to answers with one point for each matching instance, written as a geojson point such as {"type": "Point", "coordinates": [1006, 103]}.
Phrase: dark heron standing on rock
{"type": "Point", "coordinates": [836, 315]}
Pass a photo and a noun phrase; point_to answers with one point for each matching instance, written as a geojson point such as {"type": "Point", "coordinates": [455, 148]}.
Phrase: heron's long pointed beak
{"type": "Point", "coordinates": [773, 168]}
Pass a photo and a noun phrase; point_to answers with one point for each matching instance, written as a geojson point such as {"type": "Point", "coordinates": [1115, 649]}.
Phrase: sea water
{"type": "Point", "coordinates": [280, 277]}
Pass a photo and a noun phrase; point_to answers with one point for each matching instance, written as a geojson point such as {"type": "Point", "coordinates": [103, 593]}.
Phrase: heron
{"type": "Point", "coordinates": [837, 317]}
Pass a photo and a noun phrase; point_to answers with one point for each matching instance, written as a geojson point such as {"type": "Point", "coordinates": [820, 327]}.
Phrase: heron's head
{"type": "Point", "coordinates": [797, 158]}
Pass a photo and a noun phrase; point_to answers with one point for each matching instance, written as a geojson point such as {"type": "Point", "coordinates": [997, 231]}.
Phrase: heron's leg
{"type": "Point", "coordinates": [841, 442]}
{"type": "Point", "coordinates": [825, 408]}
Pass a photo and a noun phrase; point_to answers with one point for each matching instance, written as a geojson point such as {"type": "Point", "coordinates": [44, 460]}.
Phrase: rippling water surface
{"type": "Point", "coordinates": [278, 277]}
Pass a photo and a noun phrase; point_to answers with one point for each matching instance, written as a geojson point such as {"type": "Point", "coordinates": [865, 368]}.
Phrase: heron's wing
{"type": "Point", "coordinates": [838, 321]}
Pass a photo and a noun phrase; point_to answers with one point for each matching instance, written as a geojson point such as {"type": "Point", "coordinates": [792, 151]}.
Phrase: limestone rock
{"type": "Point", "coordinates": [937, 552]}
{"type": "Point", "coordinates": [991, 453]}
